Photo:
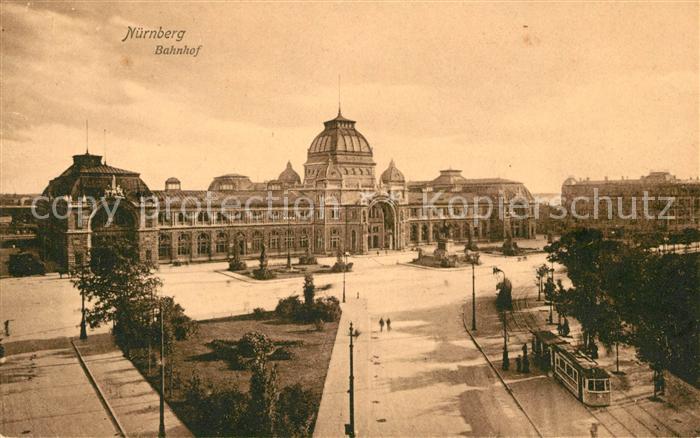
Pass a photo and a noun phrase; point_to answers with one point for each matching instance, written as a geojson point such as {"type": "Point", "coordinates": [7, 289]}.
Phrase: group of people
{"type": "Point", "coordinates": [382, 322]}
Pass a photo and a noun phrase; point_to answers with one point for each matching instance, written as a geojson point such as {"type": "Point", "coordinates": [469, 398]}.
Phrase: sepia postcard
{"type": "Point", "coordinates": [328, 219]}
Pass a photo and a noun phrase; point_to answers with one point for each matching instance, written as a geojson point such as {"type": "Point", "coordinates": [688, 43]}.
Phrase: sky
{"type": "Point", "coordinates": [533, 92]}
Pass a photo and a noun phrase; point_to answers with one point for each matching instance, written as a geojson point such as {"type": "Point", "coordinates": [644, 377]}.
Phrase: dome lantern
{"type": "Point", "coordinates": [392, 175]}
{"type": "Point", "coordinates": [289, 176]}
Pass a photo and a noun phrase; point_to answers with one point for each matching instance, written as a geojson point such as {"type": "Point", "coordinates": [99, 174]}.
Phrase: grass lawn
{"type": "Point", "coordinates": [311, 349]}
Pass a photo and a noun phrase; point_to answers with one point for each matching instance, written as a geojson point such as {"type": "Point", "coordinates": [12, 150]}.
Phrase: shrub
{"type": "Point", "coordinates": [282, 353]}
{"type": "Point", "coordinates": [259, 313]}
{"type": "Point", "coordinates": [253, 344]}
{"type": "Point", "coordinates": [327, 309]}
{"type": "Point", "coordinates": [225, 350]}
{"type": "Point", "coordinates": [237, 265]}
{"type": "Point", "coordinates": [289, 308]}
{"type": "Point", "coordinates": [295, 412]}
{"type": "Point", "coordinates": [24, 264]}
{"type": "Point", "coordinates": [215, 413]}
{"type": "Point", "coordinates": [263, 274]}
{"type": "Point", "coordinates": [307, 258]}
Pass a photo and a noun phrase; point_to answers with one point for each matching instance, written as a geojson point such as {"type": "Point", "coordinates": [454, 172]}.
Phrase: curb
{"type": "Point", "coordinates": [99, 392]}
{"type": "Point", "coordinates": [500, 377]}
{"type": "Point", "coordinates": [412, 265]}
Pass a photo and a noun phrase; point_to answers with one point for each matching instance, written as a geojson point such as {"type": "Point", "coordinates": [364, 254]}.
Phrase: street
{"type": "Point", "coordinates": [424, 377]}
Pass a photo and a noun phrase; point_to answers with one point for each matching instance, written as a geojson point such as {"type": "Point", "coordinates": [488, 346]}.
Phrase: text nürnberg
{"type": "Point", "coordinates": [133, 32]}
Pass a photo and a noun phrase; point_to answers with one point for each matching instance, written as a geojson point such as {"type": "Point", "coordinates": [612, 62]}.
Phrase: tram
{"type": "Point", "coordinates": [577, 372]}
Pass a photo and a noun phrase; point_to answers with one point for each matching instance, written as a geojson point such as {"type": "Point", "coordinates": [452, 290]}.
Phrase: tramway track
{"type": "Point", "coordinates": [526, 321]}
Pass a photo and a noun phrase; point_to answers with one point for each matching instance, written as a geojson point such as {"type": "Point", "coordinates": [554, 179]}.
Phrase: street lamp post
{"type": "Point", "coordinates": [83, 328]}
{"type": "Point", "coordinates": [289, 254]}
{"type": "Point", "coordinates": [550, 287]}
{"type": "Point", "coordinates": [350, 428]}
{"type": "Point", "coordinates": [345, 269]}
{"type": "Point", "coordinates": [474, 259]}
{"type": "Point", "coordinates": [505, 360]}
{"type": "Point", "coordinates": [161, 425]}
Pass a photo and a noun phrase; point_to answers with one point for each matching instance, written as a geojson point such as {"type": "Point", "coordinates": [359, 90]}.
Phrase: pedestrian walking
{"type": "Point", "coordinates": [388, 324]}
{"type": "Point", "coordinates": [381, 324]}
{"type": "Point", "coordinates": [7, 327]}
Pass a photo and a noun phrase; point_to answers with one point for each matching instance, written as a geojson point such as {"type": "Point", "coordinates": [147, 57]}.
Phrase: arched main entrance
{"type": "Point", "coordinates": [382, 226]}
{"type": "Point", "coordinates": [108, 224]}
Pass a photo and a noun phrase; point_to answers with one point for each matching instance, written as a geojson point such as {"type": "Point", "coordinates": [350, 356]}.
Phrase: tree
{"type": "Point", "coordinates": [122, 290]}
{"type": "Point", "coordinates": [176, 325]}
{"type": "Point", "coordinates": [582, 251]}
{"type": "Point", "coordinates": [309, 289]}
{"type": "Point", "coordinates": [504, 299]}
{"type": "Point", "coordinates": [263, 394]}
{"type": "Point", "coordinates": [665, 310]}
{"type": "Point", "coordinates": [689, 236]}
{"type": "Point", "coordinates": [540, 273]}
{"type": "Point", "coordinates": [626, 293]}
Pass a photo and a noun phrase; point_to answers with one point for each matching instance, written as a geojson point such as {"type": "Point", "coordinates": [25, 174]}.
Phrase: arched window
{"type": "Point", "coordinates": [203, 244]}
{"type": "Point", "coordinates": [289, 240]}
{"type": "Point", "coordinates": [183, 244]}
{"type": "Point", "coordinates": [304, 239]}
{"type": "Point", "coordinates": [335, 239]}
{"type": "Point", "coordinates": [275, 240]}
{"type": "Point", "coordinates": [257, 240]}
{"type": "Point", "coordinates": [414, 233]}
{"type": "Point", "coordinates": [164, 246]}
{"type": "Point", "coordinates": [203, 217]}
{"type": "Point", "coordinates": [221, 242]}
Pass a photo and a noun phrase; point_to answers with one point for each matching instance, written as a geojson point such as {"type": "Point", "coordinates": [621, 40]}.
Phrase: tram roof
{"type": "Point", "coordinates": [587, 365]}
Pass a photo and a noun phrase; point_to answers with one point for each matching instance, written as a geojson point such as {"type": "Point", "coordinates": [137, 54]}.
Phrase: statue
{"type": "Point", "coordinates": [235, 263]}
{"type": "Point", "coordinates": [263, 257]}
{"type": "Point", "coordinates": [307, 258]}
{"type": "Point", "coordinates": [263, 273]}
{"type": "Point", "coordinates": [445, 230]}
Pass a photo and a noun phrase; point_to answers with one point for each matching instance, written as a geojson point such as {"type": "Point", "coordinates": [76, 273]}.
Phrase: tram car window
{"type": "Point", "coordinates": [577, 372]}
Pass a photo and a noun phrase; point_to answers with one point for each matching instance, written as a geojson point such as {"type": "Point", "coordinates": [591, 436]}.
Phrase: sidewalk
{"type": "Point", "coordinates": [334, 411]}
{"type": "Point", "coordinates": [46, 393]}
{"type": "Point", "coordinates": [631, 411]}
{"type": "Point", "coordinates": [134, 401]}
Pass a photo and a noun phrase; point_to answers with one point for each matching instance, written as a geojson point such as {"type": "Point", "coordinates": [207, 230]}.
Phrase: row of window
{"type": "Point", "coordinates": [567, 370]}
{"type": "Point", "coordinates": [276, 241]}
{"type": "Point", "coordinates": [598, 385]}
{"type": "Point", "coordinates": [184, 218]}
{"type": "Point", "coordinates": [421, 233]}
{"type": "Point", "coordinates": [454, 211]}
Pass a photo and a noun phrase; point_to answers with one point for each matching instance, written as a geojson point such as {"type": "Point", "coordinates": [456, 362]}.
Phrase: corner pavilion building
{"type": "Point", "coordinates": [354, 211]}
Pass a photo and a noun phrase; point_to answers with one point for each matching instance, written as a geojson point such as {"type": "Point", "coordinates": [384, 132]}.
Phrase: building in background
{"type": "Point", "coordinates": [616, 207]}
{"type": "Point", "coordinates": [353, 210]}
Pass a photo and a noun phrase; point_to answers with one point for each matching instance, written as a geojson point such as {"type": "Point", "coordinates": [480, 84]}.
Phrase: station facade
{"type": "Point", "coordinates": [354, 209]}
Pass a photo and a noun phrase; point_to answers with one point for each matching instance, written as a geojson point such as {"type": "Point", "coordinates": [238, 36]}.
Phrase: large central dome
{"type": "Point", "coordinates": [339, 136]}
{"type": "Point", "coordinates": [343, 148]}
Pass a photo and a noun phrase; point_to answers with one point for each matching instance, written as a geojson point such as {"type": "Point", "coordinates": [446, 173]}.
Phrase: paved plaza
{"type": "Point", "coordinates": [424, 377]}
